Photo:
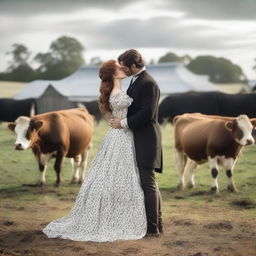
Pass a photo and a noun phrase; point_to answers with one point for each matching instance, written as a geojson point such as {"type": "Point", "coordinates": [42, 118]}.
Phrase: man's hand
{"type": "Point", "coordinates": [115, 123]}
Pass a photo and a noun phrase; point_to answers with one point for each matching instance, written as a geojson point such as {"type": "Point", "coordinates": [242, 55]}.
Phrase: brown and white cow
{"type": "Point", "coordinates": [59, 134]}
{"type": "Point", "coordinates": [200, 138]}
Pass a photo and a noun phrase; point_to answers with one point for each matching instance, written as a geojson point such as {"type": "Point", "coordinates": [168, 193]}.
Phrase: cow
{"type": "Point", "coordinates": [236, 104]}
{"type": "Point", "coordinates": [189, 102]}
{"type": "Point", "coordinates": [214, 139]}
{"type": "Point", "coordinates": [93, 109]}
{"type": "Point", "coordinates": [59, 134]}
{"type": "Point", "coordinates": [11, 109]}
{"type": "Point", "coordinates": [210, 103]}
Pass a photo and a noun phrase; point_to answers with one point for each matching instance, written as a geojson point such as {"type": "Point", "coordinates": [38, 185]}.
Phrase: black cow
{"type": "Point", "coordinates": [189, 102]}
{"type": "Point", "coordinates": [210, 103]}
{"type": "Point", "coordinates": [237, 104]}
{"type": "Point", "coordinates": [11, 109]}
{"type": "Point", "coordinates": [93, 109]}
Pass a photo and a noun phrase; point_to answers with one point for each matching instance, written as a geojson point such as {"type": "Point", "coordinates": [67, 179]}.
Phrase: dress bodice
{"type": "Point", "coordinates": [119, 104]}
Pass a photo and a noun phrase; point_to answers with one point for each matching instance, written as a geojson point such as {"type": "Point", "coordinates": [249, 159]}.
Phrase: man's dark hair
{"type": "Point", "coordinates": [130, 57]}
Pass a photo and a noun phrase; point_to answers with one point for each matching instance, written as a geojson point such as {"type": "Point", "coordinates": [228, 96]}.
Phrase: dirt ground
{"type": "Point", "coordinates": [200, 230]}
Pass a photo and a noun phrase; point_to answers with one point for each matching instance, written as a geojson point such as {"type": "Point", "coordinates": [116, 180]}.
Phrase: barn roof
{"type": "Point", "coordinates": [84, 84]}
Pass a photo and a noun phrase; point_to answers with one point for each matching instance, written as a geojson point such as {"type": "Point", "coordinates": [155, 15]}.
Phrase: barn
{"type": "Point", "coordinates": [51, 100]}
{"type": "Point", "coordinates": [83, 85]}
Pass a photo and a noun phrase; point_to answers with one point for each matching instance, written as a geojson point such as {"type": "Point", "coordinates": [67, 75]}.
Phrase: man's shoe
{"type": "Point", "coordinates": [161, 229]}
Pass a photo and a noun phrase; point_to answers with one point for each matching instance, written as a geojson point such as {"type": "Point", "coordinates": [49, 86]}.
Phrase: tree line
{"type": "Point", "coordinates": [219, 70]}
{"type": "Point", "coordinates": [65, 56]}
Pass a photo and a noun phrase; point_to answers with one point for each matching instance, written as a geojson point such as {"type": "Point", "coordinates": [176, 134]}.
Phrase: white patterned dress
{"type": "Point", "coordinates": [110, 204]}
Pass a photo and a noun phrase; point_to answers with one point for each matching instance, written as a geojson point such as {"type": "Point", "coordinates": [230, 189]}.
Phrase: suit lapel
{"type": "Point", "coordinates": [136, 82]}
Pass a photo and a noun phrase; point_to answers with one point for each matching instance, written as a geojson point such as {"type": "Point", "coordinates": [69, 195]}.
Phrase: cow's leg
{"type": "Point", "coordinates": [228, 164]}
{"type": "Point", "coordinates": [84, 162]}
{"type": "Point", "coordinates": [57, 166]}
{"type": "Point", "coordinates": [180, 161]}
{"type": "Point", "coordinates": [76, 166]}
{"type": "Point", "coordinates": [213, 163]}
{"type": "Point", "coordinates": [190, 167]}
{"type": "Point", "coordinates": [41, 178]}
{"type": "Point", "coordinates": [43, 159]}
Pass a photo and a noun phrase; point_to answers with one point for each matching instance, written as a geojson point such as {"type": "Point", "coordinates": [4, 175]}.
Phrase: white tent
{"type": "Point", "coordinates": [83, 85]}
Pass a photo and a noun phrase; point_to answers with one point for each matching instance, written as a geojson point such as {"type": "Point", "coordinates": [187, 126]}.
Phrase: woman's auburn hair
{"type": "Point", "coordinates": [106, 73]}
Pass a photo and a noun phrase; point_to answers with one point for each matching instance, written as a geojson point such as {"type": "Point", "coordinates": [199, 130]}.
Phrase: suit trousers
{"type": "Point", "coordinates": [153, 200]}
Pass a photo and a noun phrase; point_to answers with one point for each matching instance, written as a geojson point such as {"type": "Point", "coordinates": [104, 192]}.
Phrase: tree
{"type": "Point", "coordinates": [20, 55]}
{"type": "Point", "coordinates": [172, 57]}
{"type": "Point", "coordinates": [19, 69]}
{"type": "Point", "coordinates": [46, 61]}
{"type": "Point", "coordinates": [68, 49]}
{"type": "Point", "coordinates": [219, 70]}
{"type": "Point", "coordinates": [23, 73]}
{"type": "Point", "coordinates": [65, 57]}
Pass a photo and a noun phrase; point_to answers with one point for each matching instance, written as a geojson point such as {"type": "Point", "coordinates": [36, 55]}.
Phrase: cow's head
{"type": "Point", "coordinates": [26, 130]}
{"type": "Point", "coordinates": [242, 129]}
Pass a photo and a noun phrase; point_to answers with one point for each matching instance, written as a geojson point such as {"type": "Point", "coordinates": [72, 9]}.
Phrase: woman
{"type": "Point", "coordinates": [110, 204]}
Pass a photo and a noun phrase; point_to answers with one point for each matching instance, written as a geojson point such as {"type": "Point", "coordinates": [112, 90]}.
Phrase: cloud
{"type": "Point", "coordinates": [183, 26]}
{"type": "Point", "coordinates": [214, 9]}
{"type": "Point", "coordinates": [161, 32]}
{"type": "Point", "coordinates": [204, 9]}
{"type": "Point", "coordinates": [35, 7]}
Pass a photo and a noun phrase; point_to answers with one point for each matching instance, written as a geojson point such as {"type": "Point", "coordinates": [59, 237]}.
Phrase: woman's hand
{"type": "Point", "coordinates": [115, 123]}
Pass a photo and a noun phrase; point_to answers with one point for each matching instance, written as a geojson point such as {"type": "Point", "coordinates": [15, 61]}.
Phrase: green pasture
{"type": "Point", "coordinates": [10, 89]}
{"type": "Point", "coordinates": [20, 167]}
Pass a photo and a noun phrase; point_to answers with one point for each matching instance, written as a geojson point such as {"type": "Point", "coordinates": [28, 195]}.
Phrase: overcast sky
{"type": "Point", "coordinates": [106, 28]}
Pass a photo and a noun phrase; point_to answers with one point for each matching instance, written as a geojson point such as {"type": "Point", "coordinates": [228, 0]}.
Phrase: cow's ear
{"type": "Point", "coordinates": [229, 125]}
{"type": "Point", "coordinates": [38, 124]}
{"type": "Point", "coordinates": [11, 126]}
{"type": "Point", "coordinates": [253, 121]}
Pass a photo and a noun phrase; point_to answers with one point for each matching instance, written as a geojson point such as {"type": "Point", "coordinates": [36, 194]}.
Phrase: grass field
{"type": "Point", "coordinates": [18, 167]}
{"type": "Point", "coordinates": [233, 88]}
{"type": "Point", "coordinates": [10, 89]}
{"type": "Point", "coordinates": [190, 217]}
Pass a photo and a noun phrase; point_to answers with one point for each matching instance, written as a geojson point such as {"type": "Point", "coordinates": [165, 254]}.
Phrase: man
{"type": "Point", "coordinates": [142, 119]}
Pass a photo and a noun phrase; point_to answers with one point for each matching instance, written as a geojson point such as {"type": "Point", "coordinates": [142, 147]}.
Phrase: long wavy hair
{"type": "Point", "coordinates": [106, 73]}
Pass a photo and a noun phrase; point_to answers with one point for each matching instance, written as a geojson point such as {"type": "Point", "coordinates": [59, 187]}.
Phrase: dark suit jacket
{"type": "Point", "coordinates": [142, 119]}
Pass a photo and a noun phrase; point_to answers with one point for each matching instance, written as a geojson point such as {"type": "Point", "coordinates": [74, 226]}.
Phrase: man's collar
{"type": "Point", "coordinates": [137, 74]}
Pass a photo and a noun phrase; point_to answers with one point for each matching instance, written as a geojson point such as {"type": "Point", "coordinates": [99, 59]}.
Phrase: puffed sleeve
{"type": "Point", "coordinates": [128, 100]}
